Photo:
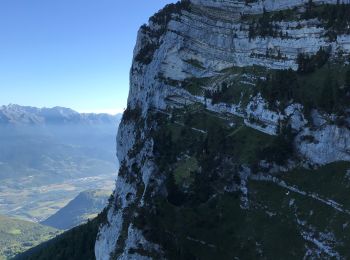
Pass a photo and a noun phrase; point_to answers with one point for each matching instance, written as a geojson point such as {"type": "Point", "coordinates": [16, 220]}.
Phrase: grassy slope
{"type": "Point", "coordinates": [17, 235]}
{"type": "Point", "coordinates": [221, 228]}
{"type": "Point", "coordinates": [277, 221]}
{"type": "Point", "coordinates": [75, 244]}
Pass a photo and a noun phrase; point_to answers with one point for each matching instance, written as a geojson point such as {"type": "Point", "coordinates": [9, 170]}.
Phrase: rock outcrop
{"type": "Point", "coordinates": [183, 58]}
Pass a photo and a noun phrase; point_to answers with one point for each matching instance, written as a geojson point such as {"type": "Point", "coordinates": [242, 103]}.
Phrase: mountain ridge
{"type": "Point", "coordinates": [83, 207]}
{"type": "Point", "coordinates": [16, 114]}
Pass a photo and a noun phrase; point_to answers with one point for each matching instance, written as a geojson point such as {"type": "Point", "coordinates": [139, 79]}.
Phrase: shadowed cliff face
{"type": "Point", "coordinates": [236, 134]}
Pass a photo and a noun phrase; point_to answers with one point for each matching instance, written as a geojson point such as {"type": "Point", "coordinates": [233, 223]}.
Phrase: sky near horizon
{"type": "Point", "coordinates": [71, 53]}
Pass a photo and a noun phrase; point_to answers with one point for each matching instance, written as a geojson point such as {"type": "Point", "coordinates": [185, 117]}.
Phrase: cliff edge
{"type": "Point", "coordinates": [235, 142]}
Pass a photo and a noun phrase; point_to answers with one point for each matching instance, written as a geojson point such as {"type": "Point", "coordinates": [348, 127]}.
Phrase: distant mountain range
{"type": "Point", "coordinates": [16, 114]}
{"type": "Point", "coordinates": [49, 155]}
{"type": "Point", "coordinates": [83, 207]}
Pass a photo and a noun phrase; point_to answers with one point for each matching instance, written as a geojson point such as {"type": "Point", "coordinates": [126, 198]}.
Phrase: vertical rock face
{"type": "Point", "coordinates": [210, 146]}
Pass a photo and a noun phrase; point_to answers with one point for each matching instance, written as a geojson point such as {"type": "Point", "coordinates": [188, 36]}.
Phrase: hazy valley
{"type": "Point", "coordinates": [47, 158]}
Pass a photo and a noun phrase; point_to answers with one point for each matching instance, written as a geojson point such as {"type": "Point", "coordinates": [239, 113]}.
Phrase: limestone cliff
{"type": "Point", "coordinates": [235, 143]}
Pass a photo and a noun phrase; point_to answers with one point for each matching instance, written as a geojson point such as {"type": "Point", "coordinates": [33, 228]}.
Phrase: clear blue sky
{"type": "Point", "coordinates": [72, 53]}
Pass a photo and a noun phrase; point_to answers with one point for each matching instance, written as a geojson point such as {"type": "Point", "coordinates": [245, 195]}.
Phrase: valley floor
{"type": "Point", "coordinates": [36, 203]}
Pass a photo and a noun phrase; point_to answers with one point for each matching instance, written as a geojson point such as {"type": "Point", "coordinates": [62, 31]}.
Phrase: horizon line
{"type": "Point", "coordinates": [109, 111]}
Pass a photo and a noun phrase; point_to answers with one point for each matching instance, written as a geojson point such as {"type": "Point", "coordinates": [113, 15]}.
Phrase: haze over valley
{"type": "Point", "coordinates": [49, 156]}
